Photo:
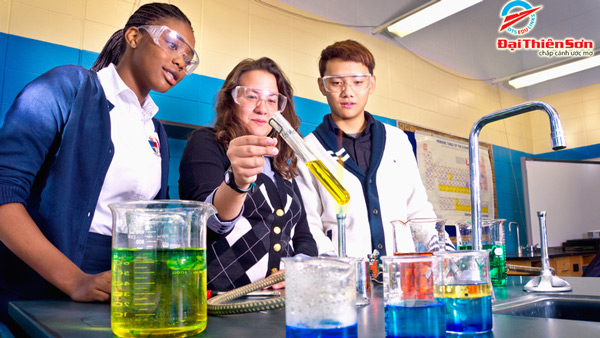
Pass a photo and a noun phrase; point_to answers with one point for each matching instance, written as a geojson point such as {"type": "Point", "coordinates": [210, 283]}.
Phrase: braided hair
{"type": "Point", "coordinates": [147, 14]}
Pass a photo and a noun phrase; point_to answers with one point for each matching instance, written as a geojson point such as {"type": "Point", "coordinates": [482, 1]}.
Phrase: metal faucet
{"type": "Point", "coordinates": [558, 142]}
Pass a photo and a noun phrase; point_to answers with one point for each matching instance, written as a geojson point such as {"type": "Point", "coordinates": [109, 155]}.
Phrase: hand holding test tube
{"type": "Point", "coordinates": [295, 141]}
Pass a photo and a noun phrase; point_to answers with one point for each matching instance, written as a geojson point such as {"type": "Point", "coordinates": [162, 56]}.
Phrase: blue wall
{"type": "Point", "coordinates": [509, 193]}
{"type": "Point", "coordinates": [192, 101]}
{"type": "Point", "coordinates": [509, 184]}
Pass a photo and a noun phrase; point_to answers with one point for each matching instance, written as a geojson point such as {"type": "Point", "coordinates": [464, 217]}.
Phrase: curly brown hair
{"type": "Point", "coordinates": [228, 126]}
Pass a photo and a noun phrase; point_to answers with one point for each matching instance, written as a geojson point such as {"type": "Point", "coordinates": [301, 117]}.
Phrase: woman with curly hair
{"type": "Point", "coordinates": [247, 172]}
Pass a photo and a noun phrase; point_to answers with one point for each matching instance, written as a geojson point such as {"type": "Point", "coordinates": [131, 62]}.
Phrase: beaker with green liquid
{"type": "Point", "coordinates": [316, 166]}
{"type": "Point", "coordinates": [158, 285]}
{"type": "Point", "coordinates": [492, 239]}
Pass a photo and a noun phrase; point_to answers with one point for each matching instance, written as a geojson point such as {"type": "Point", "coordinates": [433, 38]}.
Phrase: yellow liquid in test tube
{"type": "Point", "coordinates": [316, 167]}
{"type": "Point", "coordinates": [333, 186]}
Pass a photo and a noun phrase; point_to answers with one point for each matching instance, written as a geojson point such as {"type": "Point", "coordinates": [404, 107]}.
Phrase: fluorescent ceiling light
{"type": "Point", "coordinates": [423, 17]}
{"type": "Point", "coordinates": [552, 73]}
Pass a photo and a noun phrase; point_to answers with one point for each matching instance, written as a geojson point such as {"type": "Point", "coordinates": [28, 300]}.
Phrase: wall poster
{"type": "Point", "coordinates": [444, 167]}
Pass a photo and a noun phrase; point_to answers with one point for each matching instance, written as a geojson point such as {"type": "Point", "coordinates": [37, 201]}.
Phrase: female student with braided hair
{"type": "Point", "coordinates": [74, 141]}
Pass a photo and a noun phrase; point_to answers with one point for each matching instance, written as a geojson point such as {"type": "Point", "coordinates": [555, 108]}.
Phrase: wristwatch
{"type": "Point", "coordinates": [231, 182]}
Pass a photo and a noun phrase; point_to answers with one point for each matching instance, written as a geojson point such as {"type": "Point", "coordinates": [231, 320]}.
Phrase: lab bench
{"type": "Point", "coordinates": [71, 319]}
{"type": "Point", "coordinates": [565, 263]}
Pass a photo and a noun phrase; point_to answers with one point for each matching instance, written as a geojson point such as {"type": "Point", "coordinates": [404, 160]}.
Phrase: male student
{"type": "Point", "coordinates": [378, 166]}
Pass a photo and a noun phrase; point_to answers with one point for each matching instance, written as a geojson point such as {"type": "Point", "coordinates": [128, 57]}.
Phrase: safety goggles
{"type": "Point", "coordinates": [173, 44]}
{"type": "Point", "coordinates": [337, 83]}
{"type": "Point", "coordinates": [252, 97]}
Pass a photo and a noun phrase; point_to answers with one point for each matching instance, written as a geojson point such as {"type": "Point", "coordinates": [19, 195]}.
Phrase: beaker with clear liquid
{"type": "Point", "coordinates": [419, 236]}
{"type": "Point", "coordinates": [158, 268]}
{"type": "Point", "coordinates": [320, 297]}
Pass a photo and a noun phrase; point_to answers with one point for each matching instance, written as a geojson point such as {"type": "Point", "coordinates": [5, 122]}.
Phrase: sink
{"type": "Point", "coordinates": [584, 308]}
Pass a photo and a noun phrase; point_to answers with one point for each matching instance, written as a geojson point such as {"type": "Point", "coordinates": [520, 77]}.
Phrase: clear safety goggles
{"type": "Point", "coordinates": [337, 83]}
{"type": "Point", "coordinates": [173, 44]}
{"type": "Point", "coordinates": [252, 97]}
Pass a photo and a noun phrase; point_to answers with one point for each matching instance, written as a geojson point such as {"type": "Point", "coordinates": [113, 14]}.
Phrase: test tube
{"type": "Point", "coordinates": [316, 167]}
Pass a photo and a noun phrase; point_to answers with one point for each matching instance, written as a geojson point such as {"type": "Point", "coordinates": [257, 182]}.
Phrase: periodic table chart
{"type": "Point", "coordinates": [444, 168]}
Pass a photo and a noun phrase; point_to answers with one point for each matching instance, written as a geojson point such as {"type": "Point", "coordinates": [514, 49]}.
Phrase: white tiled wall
{"type": "Point", "coordinates": [580, 114]}
{"type": "Point", "coordinates": [408, 88]}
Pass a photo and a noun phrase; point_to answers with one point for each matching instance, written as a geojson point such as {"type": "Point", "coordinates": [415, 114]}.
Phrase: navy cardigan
{"type": "Point", "coordinates": [55, 150]}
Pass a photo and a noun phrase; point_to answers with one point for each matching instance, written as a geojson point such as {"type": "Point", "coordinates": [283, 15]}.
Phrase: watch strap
{"type": "Point", "coordinates": [231, 183]}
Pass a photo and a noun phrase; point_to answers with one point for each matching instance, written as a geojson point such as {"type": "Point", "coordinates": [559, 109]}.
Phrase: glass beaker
{"type": "Point", "coordinates": [492, 239]}
{"type": "Point", "coordinates": [418, 236]}
{"type": "Point", "coordinates": [413, 296]}
{"type": "Point", "coordinates": [363, 281]}
{"type": "Point", "coordinates": [497, 247]}
{"type": "Point", "coordinates": [320, 295]}
{"type": "Point", "coordinates": [467, 291]}
{"type": "Point", "coordinates": [464, 239]}
{"type": "Point", "coordinates": [158, 284]}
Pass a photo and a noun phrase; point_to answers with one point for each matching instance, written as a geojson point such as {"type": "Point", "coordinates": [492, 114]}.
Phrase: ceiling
{"type": "Point", "coordinates": [466, 41]}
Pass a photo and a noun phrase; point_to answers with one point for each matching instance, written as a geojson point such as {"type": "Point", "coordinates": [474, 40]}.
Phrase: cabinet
{"type": "Point", "coordinates": [570, 266]}
{"type": "Point", "coordinates": [566, 266]}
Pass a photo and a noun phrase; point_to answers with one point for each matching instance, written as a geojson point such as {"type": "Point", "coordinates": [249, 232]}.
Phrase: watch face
{"type": "Point", "coordinates": [227, 177]}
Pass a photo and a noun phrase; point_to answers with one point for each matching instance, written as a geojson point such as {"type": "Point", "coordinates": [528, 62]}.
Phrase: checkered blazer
{"type": "Point", "coordinates": [273, 224]}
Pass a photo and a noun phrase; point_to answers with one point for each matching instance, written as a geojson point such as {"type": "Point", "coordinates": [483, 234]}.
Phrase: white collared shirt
{"type": "Point", "coordinates": [135, 170]}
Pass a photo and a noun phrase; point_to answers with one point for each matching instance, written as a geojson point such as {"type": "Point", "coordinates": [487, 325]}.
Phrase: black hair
{"type": "Point", "coordinates": [145, 15]}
